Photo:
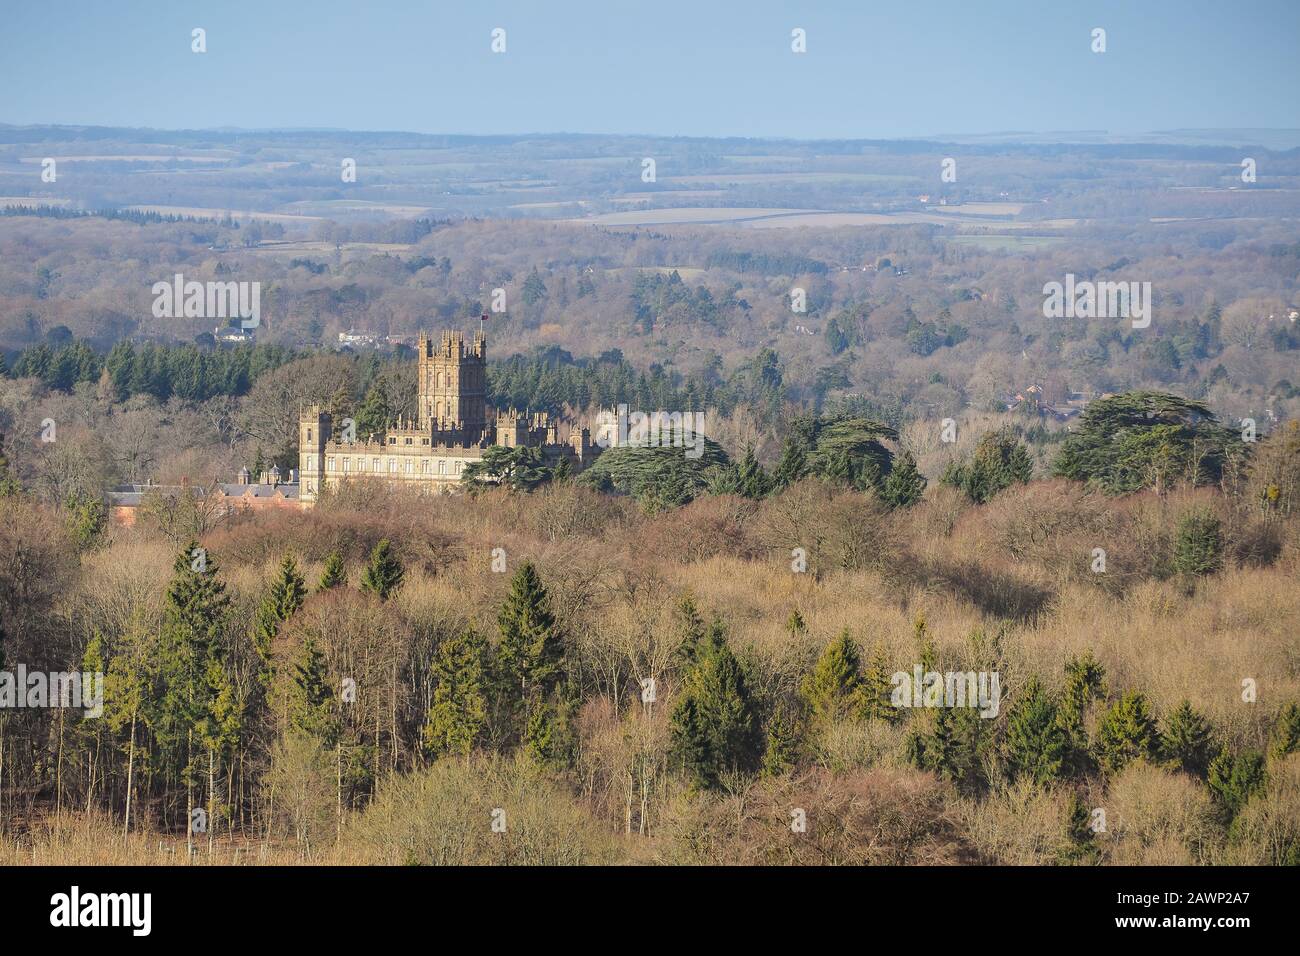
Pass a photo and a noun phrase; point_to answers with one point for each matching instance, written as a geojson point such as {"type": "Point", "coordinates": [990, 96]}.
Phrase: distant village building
{"type": "Point", "coordinates": [225, 498]}
{"type": "Point", "coordinates": [452, 428]}
{"type": "Point", "coordinates": [355, 339]}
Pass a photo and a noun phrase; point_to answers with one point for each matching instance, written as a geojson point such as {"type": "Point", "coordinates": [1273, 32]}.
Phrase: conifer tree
{"type": "Point", "coordinates": [753, 480]}
{"type": "Point", "coordinates": [1035, 743]}
{"type": "Point", "coordinates": [384, 571]}
{"type": "Point", "coordinates": [375, 412]}
{"type": "Point", "coordinates": [1127, 732]}
{"type": "Point", "coordinates": [877, 689]}
{"type": "Point", "coordinates": [1081, 842]}
{"type": "Point", "coordinates": [1198, 544]}
{"type": "Point", "coordinates": [1085, 681]}
{"type": "Point", "coordinates": [1185, 740]}
{"type": "Point", "coordinates": [530, 655]}
{"type": "Point", "coordinates": [281, 602]}
{"type": "Point", "coordinates": [334, 574]}
{"type": "Point", "coordinates": [311, 709]}
{"type": "Point", "coordinates": [1284, 738]}
{"type": "Point", "coordinates": [905, 485]}
{"type": "Point", "coordinates": [832, 691]}
{"type": "Point", "coordinates": [714, 726]}
{"type": "Point", "coordinates": [1233, 779]}
{"type": "Point", "coordinates": [792, 467]}
{"type": "Point", "coordinates": [458, 715]}
{"type": "Point", "coordinates": [781, 753]}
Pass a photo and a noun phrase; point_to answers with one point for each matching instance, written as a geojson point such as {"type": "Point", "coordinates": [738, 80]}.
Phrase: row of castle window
{"type": "Point", "coordinates": [376, 465]}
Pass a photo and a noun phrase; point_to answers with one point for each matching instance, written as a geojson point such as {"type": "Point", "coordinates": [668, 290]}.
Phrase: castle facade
{"type": "Point", "coordinates": [453, 427]}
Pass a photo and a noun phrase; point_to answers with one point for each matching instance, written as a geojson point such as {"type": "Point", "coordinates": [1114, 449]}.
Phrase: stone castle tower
{"type": "Point", "coordinates": [453, 386]}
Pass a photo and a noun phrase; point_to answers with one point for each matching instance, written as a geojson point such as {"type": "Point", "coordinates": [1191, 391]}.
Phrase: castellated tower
{"type": "Point", "coordinates": [453, 385]}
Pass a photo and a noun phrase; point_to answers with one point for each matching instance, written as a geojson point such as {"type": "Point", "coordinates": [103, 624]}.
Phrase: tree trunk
{"type": "Point", "coordinates": [130, 769]}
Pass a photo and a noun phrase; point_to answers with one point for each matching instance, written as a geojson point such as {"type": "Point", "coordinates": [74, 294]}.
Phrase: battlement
{"type": "Point", "coordinates": [453, 344]}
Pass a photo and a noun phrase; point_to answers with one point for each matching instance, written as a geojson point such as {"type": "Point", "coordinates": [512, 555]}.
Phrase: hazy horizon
{"type": "Point", "coordinates": [866, 74]}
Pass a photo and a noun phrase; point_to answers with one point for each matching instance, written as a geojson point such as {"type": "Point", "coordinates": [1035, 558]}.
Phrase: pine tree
{"type": "Point", "coordinates": [1081, 842]}
{"type": "Point", "coordinates": [530, 654]}
{"type": "Point", "coordinates": [311, 708]}
{"type": "Point", "coordinates": [335, 573]}
{"type": "Point", "coordinates": [781, 753]}
{"type": "Point", "coordinates": [714, 727]}
{"type": "Point", "coordinates": [1085, 681]}
{"type": "Point", "coordinates": [1186, 741]}
{"type": "Point", "coordinates": [1035, 743]}
{"type": "Point", "coordinates": [281, 602]}
{"type": "Point", "coordinates": [905, 485]}
{"type": "Point", "coordinates": [1284, 738]}
{"type": "Point", "coordinates": [1126, 732]}
{"type": "Point", "coordinates": [458, 715]}
{"type": "Point", "coordinates": [877, 689]}
{"type": "Point", "coordinates": [1198, 544]}
{"type": "Point", "coordinates": [1233, 779]}
{"type": "Point", "coordinates": [375, 412]}
{"type": "Point", "coordinates": [384, 571]}
{"type": "Point", "coordinates": [753, 480]}
{"type": "Point", "coordinates": [792, 467]}
{"type": "Point", "coordinates": [832, 691]}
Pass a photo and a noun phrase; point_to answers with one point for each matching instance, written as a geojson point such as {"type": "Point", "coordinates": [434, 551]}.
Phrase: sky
{"type": "Point", "coordinates": [904, 68]}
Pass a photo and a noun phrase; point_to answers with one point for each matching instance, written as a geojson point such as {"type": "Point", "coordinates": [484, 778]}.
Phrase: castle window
{"type": "Point", "coordinates": [309, 434]}
{"type": "Point", "coordinates": [409, 464]}
{"type": "Point", "coordinates": [345, 466]}
{"type": "Point", "coordinates": [392, 441]}
{"type": "Point", "coordinates": [442, 467]}
{"type": "Point", "coordinates": [410, 441]}
{"type": "Point", "coordinates": [424, 467]}
{"type": "Point", "coordinates": [392, 466]}
{"type": "Point", "coordinates": [375, 463]}
{"type": "Point", "coordinates": [330, 464]}
{"type": "Point", "coordinates": [458, 464]}
{"type": "Point", "coordinates": [424, 441]}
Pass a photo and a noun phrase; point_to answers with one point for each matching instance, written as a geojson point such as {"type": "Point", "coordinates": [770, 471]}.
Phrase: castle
{"type": "Point", "coordinates": [453, 427]}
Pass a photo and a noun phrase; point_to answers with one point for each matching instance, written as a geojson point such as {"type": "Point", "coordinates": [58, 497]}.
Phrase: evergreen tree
{"type": "Point", "coordinates": [877, 689]}
{"type": "Point", "coordinates": [458, 715]}
{"type": "Point", "coordinates": [281, 602]}
{"type": "Point", "coordinates": [1035, 744]}
{"type": "Point", "coordinates": [1185, 740]}
{"type": "Point", "coordinates": [1284, 738]}
{"type": "Point", "coordinates": [781, 752]}
{"type": "Point", "coordinates": [334, 574]}
{"type": "Point", "coordinates": [534, 289]}
{"type": "Point", "coordinates": [753, 480]}
{"type": "Point", "coordinates": [311, 708]}
{"type": "Point", "coordinates": [905, 485]}
{"type": "Point", "coordinates": [1081, 842]}
{"type": "Point", "coordinates": [1126, 732]}
{"type": "Point", "coordinates": [1233, 779]}
{"type": "Point", "coordinates": [833, 690]}
{"type": "Point", "coordinates": [795, 623]}
{"type": "Point", "coordinates": [999, 460]}
{"type": "Point", "coordinates": [792, 467]}
{"type": "Point", "coordinates": [375, 412]}
{"type": "Point", "coordinates": [714, 727]}
{"type": "Point", "coordinates": [85, 519]}
{"type": "Point", "coordinates": [1198, 544]}
{"type": "Point", "coordinates": [384, 571]}
{"type": "Point", "coordinates": [530, 654]}
{"type": "Point", "coordinates": [1085, 681]}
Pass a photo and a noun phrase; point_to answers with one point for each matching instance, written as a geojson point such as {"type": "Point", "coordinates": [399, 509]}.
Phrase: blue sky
{"type": "Point", "coordinates": [702, 68]}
